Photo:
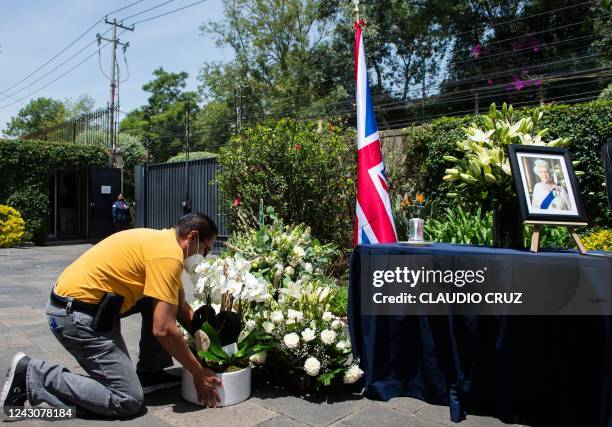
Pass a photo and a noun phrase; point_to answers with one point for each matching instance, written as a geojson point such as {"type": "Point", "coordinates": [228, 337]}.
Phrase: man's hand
{"type": "Point", "coordinates": [168, 335]}
{"type": "Point", "coordinates": [205, 384]}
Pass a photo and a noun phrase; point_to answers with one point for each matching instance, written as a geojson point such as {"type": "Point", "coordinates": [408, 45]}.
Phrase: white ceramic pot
{"type": "Point", "coordinates": [236, 387]}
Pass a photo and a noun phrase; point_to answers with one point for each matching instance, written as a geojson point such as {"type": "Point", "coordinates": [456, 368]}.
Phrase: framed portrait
{"type": "Point", "coordinates": [546, 184]}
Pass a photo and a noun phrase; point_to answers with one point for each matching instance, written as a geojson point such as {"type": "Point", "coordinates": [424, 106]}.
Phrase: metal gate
{"type": "Point", "coordinates": [166, 191]}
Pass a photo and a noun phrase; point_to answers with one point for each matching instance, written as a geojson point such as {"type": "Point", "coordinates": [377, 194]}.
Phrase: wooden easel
{"type": "Point", "coordinates": [537, 228]}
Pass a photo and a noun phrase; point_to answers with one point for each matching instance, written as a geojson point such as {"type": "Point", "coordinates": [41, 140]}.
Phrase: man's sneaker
{"type": "Point", "coordinates": [14, 391]}
{"type": "Point", "coordinates": [158, 380]}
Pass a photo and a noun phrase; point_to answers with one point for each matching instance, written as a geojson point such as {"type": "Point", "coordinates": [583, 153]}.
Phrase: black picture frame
{"type": "Point", "coordinates": [566, 206]}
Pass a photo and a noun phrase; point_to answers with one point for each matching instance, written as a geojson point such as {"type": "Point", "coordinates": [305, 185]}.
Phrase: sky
{"type": "Point", "coordinates": [33, 31]}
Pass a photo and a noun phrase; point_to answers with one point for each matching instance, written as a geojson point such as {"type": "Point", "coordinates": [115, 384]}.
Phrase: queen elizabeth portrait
{"type": "Point", "coordinates": [547, 193]}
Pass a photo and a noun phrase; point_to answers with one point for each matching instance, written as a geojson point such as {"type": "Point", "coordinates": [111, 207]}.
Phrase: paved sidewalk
{"type": "Point", "coordinates": [26, 275]}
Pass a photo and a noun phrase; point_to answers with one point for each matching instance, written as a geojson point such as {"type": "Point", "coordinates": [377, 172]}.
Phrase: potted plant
{"type": "Point", "coordinates": [220, 339]}
{"type": "Point", "coordinates": [230, 363]}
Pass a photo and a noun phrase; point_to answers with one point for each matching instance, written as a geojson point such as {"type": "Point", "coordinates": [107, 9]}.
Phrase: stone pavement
{"type": "Point", "coordinates": [26, 275]}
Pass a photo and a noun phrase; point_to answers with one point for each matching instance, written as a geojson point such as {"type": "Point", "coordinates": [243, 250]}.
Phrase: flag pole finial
{"type": "Point", "coordinates": [356, 10]}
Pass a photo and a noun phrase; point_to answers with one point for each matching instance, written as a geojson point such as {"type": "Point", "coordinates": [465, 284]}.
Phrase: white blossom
{"type": "Point", "coordinates": [289, 270]}
{"type": "Point", "coordinates": [259, 358]}
{"type": "Point", "coordinates": [328, 336]}
{"type": "Point", "coordinates": [295, 314]}
{"type": "Point", "coordinates": [250, 325]}
{"type": "Point", "coordinates": [352, 374]}
{"type": "Point", "coordinates": [307, 267]}
{"type": "Point", "coordinates": [290, 322]}
{"type": "Point", "coordinates": [268, 327]}
{"type": "Point", "coordinates": [308, 335]}
{"type": "Point", "coordinates": [341, 345]}
{"type": "Point", "coordinates": [291, 340]}
{"type": "Point", "coordinates": [312, 366]}
{"type": "Point", "coordinates": [277, 316]}
{"type": "Point", "coordinates": [337, 324]}
{"type": "Point", "coordinates": [313, 324]}
{"type": "Point", "coordinates": [327, 316]}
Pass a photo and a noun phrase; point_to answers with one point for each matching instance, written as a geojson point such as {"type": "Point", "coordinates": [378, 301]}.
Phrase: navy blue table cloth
{"type": "Point", "coordinates": [539, 370]}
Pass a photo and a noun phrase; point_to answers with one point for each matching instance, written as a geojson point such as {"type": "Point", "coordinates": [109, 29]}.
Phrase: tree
{"type": "Point", "coordinates": [165, 112]}
{"type": "Point", "coordinates": [84, 104]}
{"type": "Point", "coordinates": [37, 115]}
{"type": "Point", "coordinates": [281, 51]}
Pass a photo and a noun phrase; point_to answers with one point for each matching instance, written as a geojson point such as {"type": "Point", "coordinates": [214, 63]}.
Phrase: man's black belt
{"type": "Point", "coordinates": [84, 307]}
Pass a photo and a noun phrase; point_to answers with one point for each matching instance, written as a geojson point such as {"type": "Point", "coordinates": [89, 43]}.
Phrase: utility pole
{"type": "Point", "coordinates": [113, 84]}
{"type": "Point", "coordinates": [187, 202]}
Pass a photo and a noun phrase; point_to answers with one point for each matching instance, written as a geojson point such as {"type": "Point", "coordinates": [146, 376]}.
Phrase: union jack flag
{"type": "Point", "coordinates": [374, 220]}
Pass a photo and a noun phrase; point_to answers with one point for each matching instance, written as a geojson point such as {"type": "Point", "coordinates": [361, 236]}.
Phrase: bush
{"type": "Point", "coordinates": [586, 125]}
{"type": "Point", "coordinates": [12, 227]}
{"type": "Point", "coordinates": [303, 170]}
{"type": "Point", "coordinates": [195, 155]}
{"type": "Point", "coordinates": [26, 168]}
{"type": "Point", "coordinates": [598, 240]}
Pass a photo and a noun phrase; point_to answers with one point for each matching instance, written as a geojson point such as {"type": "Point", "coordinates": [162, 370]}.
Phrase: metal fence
{"type": "Point", "coordinates": [90, 128]}
{"type": "Point", "coordinates": [166, 191]}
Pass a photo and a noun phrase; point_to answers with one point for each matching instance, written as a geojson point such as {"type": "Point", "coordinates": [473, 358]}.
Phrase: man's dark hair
{"type": "Point", "coordinates": [200, 222]}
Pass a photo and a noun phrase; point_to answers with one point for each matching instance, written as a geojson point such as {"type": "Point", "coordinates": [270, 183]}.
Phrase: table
{"type": "Point", "coordinates": [555, 370]}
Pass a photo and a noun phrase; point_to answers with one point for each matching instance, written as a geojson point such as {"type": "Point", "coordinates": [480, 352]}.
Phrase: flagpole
{"type": "Point", "coordinates": [356, 10]}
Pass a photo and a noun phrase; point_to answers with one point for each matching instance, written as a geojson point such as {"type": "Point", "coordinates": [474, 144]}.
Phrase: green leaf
{"type": "Point", "coordinates": [215, 342]}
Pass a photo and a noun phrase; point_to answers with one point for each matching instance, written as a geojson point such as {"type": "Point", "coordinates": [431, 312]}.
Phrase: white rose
{"type": "Point", "coordinates": [277, 316]}
{"type": "Point", "coordinates": [327, 317]}
{"type": "Point", "coordinates": [259, 358]}
{"type": "Point", "coordinates": [250, 325]}
{"type": "Point", "coordinates": [290, 321]}
{"type": "Point", "coordinates": [307, 267]}
{"type": "Point", "coordinates": [289, 270]}
{"type": "Point", "coordinates": [341, 345]}
{"type": "Point", "coordinates": [295, 314]}
{"type": "Point", "coordinates": [328, 336]}
{"type": "Point", "coordinates": [312, 366]}
{"type": "Point", "coordinates": [352, 374]}
{"type": "Point", "coordinates": [308, 335]}
{"type": "Point", "coordinates": [337, 324]}
{"type": "Point", "coordinates": [348, 344]}
{"type": "Point", "coordinates": [291, 340]}
{"type": "Point", "coordinates": [268, 327]}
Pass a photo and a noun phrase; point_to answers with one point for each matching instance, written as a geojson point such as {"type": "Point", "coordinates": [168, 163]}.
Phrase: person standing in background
{"type": "Point", "coordinates": [121, 214]}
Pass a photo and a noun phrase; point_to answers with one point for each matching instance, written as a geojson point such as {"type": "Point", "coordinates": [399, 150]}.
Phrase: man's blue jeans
{"type": "Point", "coordinates": [112, 387]}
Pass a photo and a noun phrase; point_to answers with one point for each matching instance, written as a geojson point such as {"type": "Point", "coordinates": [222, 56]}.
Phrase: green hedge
{"type": "Point", "coordinates": [421, 165]}
{"type": "Point", "coordinates": [304, 170]}
{"type": "Point", "coordinates": [27, 166]}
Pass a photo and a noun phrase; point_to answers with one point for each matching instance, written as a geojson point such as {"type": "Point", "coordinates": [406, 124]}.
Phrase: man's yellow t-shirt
{"type": "Point", "coordinates": [132, 263]}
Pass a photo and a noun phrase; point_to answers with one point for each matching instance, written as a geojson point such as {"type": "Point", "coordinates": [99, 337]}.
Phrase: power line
{"type": "Point", "coordinates": [168, 13]}
{"type": "Point", "coordinates": [66, 48]}
{"type": "Point", "coordinates": [52, 70]}
{"type": "Point", "coordinates": [484, 27]}
{"type": "Point", "coordinates": [54, 80]}
{"type": "Point", "coordinates": [147, 10]}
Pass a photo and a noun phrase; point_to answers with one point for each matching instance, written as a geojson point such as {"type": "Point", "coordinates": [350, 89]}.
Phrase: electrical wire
{"type": "Point", "coordinates": [168, 13]}
{"type": "Point", "coordinates": [147, 10]}
{"type": "Point", "coordinates": [83, 34]}
{"type": "Point", "coordinates": [56, 79]}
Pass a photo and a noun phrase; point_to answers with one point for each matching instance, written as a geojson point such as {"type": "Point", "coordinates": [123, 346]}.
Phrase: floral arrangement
{"type": "Point", "coordinates": [305, 338]}
{"type": "Point", "coordinates": [484, 168]}
{"type": "Point", "coordinates": [274, 279]}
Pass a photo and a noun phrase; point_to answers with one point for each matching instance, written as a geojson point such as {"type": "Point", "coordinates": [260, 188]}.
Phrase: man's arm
{"type": "Point", "coordinates": [166, 332]}
{"type": "Point", "coordinates": [185, 312]}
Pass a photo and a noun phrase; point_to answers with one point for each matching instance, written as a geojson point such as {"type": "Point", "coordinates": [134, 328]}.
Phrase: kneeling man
{"type": "Point", "coordinates": [131, 271]}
